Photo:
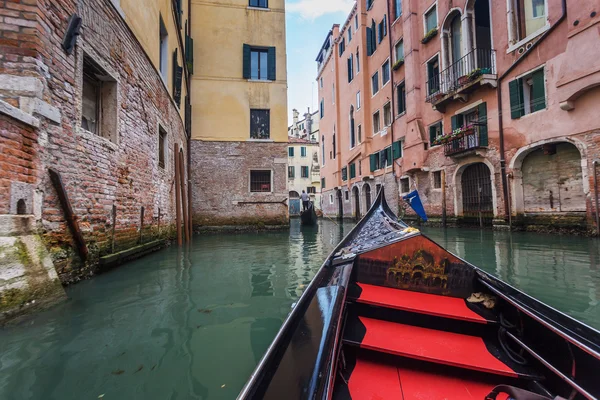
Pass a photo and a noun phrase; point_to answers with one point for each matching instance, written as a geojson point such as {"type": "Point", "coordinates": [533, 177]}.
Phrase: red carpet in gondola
{"type": "Point", "coordinates": [431, 345]}
{"type": "Point", "coordinates": [372, 380]}
{"type": "Point", "coordinates": [421, 303]}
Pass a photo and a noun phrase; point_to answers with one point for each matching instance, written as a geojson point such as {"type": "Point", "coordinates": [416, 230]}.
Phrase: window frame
{"type": "Point", "coordinates": [304, 168]}
{"type": "Point", "coordinates": [378, 122]}
{"type": "Point", "coordinates": [291, 172]}
{"type": "Point", "coordinates": [437, 18]}
{"type": "Point", "coordinates": [391, 118]}
{"type": "Point", "coordinates": [258, 6]}
{"type": "Point", "coordinates": [401, 41]}
{"type": "Point", "coordinates": [402, 180]}
{"type": "Point", "coordinates": [260, 170]}
{"type": "Point", "coordinates": [389, 73]}
{"type": "Point", "coordinates": [163, 139]}
{"type": "Point", "coordinates": [163, 57]}
{"type": "Point", "coordinates": [358, 102]}
{"type": "Point", "coordinates": [398, 87]}
{"type": "Point", "coordinates": [434, 180]}
{"type": "Point", "coordinates": [260, 51]}
{"type": "Point", "coordinates": [373, 77]}
{"type": "Point", "coordinates": [269, 125]}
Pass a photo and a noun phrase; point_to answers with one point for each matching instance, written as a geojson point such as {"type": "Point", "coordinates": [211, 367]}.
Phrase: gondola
{"type": "Point", "coordinates": [392, 315]}
{"type": "Point", "coordinates": [309, 217]}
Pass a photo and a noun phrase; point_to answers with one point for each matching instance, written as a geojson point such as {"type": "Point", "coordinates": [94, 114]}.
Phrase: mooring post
{"type": "Point", "coordinates": [177, 198]}
{"type": "Point", "coordinates": [444, 198]}
{"type": "Point", "coordinates": [114, 223]}
{"type": "Point", "coordinates": [159, 222]}
{"type": "Point", "coordinates": [141, 223]}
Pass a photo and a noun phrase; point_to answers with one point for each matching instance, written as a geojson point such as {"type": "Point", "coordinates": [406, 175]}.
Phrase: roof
{"type": "Point", "coordinates": [293, 140]}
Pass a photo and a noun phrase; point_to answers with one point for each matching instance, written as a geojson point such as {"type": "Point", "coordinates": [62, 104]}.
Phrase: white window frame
{"type": "Point", "coordinates": [389, 103]}
{"type": "Point", "coordinates": [330, 198]}
{"type": "Point", "coordinates": [373, 94]}
{"type": "Point", "coordinates": [401, 178]}
{"type": "Point", "coordinates": [433, 180]}
{"type": "Point", "coordinates": [163, 57]}
{"type": "Point", "coordinates": [437, 17]}
{"type": "Point", "coordinates": [389, 73]}
{"type": "Point", "coordinates": [379, 118]}
{"type": "Point", "coordinates": [526, 100]}
{"type": "Point", "coordinates": [358, 102]}
{"type": "Point", "coordinates": [395, 45]}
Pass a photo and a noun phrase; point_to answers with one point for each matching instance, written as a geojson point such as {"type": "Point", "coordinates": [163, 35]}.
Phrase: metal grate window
{"type": "Point", "coordinates": [437, 180]}
{"type": "Point", "coordinates": [405, 185]}
{"type": "Point", "coordinates": [162, 139]}
{"type": "Point", "coordinates": [260, 124]}
{"type": "Point", "coordinates": [260, 181]}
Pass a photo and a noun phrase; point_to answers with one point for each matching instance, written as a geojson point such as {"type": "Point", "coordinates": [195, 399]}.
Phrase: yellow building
{"type": "Point", "coordinates": [239, 102]}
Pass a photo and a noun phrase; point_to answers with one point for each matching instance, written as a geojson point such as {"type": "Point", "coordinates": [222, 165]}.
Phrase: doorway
{"type": "Point", "coordinates": [477, 198]}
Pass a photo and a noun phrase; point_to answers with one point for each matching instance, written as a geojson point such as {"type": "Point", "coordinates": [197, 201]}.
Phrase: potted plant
{"type": "Point", "coordinates": [437, 97]}
{"type": "Point", "coordinates": [476, 73]}
{"type": "Point", "coordinates": [398, 64]}
{"type": "Point", "coordinates": [429, 35]}
{"type": "Point", "coordinates": [463, 80]}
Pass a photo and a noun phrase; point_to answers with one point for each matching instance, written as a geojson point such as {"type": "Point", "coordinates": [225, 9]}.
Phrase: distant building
{"type": "Point", "coordinates": [304, 172]}
{"type": "Point", "coordinates": [307, 128]}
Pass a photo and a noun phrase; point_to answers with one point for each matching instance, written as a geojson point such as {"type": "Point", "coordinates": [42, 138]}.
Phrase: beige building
{"type": "Point", "coordinates": [239, 93]}
{"type": "Point", "coordinates": [304, 172]}
{"type": "Point", "coordinates": [306, 128]}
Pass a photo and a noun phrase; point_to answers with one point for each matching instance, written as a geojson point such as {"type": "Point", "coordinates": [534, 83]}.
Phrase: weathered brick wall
{"type": "Point", "coordinates": [217, 204]}
{"type": "Point", "coordinates": [97, 173]}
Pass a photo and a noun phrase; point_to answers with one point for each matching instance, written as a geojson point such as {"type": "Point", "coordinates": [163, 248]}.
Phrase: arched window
{"type": "Point", "coordinates": [352, 129]}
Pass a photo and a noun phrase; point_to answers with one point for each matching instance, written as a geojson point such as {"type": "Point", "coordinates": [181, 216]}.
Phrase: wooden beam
{"type": "Point", "coordinates": [68, 212]}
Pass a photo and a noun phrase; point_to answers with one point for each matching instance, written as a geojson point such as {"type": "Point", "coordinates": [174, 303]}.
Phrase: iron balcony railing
{"type": "Point", "coordinates": [478, 62]}
{"type": "Point", "coordinates": [471, 139]}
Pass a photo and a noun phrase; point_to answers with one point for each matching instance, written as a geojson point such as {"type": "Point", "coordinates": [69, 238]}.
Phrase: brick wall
{"type": "Point", "coordinates": [97, 172]}
{"type": "Point", "coordinates": [221, 179]}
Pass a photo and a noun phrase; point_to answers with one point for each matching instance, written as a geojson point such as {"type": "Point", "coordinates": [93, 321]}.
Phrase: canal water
{"type": "Point", "coordinates": [193, 324]}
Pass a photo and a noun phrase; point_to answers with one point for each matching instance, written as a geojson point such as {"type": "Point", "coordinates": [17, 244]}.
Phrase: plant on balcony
{"type": "Point", "coordinates": [455, 134]}
{"type": "Point", "coordinates": [437, 97]}
{"type": "Point", "coordinates": [429, 35]}
{"type": "Point", "coordinates": [463, 80]}
{"type": "Point", "coordinates": [398, 64]}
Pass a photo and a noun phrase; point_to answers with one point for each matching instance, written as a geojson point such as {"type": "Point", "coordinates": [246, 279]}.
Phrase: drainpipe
{"type": "Point", "coordinates": [507, 204]}
{"type": "Point", "coordinates": [596, 197]}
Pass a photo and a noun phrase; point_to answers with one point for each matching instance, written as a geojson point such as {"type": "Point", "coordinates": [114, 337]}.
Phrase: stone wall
{"type": "Point", "coordinates": [221, 183]}
{"type": "Point", "coordinates": [41, 128]}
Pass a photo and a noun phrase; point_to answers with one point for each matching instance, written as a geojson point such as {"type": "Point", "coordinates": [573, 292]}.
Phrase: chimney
{"type": "Point", "coordinates": [296, 116]}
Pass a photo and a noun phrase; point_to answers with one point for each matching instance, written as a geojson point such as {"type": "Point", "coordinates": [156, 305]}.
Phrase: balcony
{"type": "Point", "coordinates": [464, 140]}
{"type": "Point", "coordinates": [461, 78]}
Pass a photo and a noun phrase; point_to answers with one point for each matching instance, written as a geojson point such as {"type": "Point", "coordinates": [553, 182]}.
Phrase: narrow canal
{"type": "Point", "coordinates": [193, 324]}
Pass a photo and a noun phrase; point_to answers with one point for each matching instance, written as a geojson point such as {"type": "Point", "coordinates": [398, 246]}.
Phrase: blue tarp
{"type": "Point", "coordinates": [415, 202]}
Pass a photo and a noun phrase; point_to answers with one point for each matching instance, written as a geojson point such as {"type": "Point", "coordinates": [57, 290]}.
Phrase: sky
{"type": "Point", "coordinates": [308, 23]}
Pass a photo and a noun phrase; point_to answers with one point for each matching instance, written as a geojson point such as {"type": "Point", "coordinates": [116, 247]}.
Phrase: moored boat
{"type": "Point", "coordinates": [392, 315]}
{"type": "Point", "coordinates": [309, 216]}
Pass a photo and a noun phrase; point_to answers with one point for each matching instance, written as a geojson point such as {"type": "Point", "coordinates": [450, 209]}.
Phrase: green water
{"type": "Point", "coordinates": [193, 324]}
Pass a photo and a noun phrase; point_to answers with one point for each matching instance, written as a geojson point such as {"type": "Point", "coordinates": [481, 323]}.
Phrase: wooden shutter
{"type": "Point", "coordinates": [397, 150]}
{"type": "Point", "coordinates": [373, 162]}
{"type": "Point", "coordinates": [539, 91]}
{"type": "Point", "coordinates": [352, 171]}
{"type": "Point", "coordinates": [389, 156]}
{"type": "Point", "coordinates": [385, 25]}
{"type": "Point", "coordinates": [517, 106]}
{"type": "Point", "coordinates": [189, 53]}
{"type": "Point", "coordinates": [432, 130]}
{"type": "Point", "coordinates": [272, 73]}
{"type": "Point", "coordinates": [349, 69]}
{"type": "Point", "coordinates": [177, 79]}
{"type": "Point", "coordinates": [483, 127]}
{"type": "Point", "coordinates": [247, 56]}
{"type": "Point", "coordinates": [457, 121]}
{"type": "Point", "coordinates": [188, 115]}
{"type": "Point", "coordinates": [291, 152]}
{"type": "Point", "coordinates": [369, 41]}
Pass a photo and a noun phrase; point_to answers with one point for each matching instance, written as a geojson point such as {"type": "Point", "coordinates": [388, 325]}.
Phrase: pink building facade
{"type": "Point", "coordinates": [491, 110]}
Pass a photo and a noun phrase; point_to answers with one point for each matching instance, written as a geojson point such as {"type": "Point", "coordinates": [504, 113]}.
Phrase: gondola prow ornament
{"type": "Point", "coordinates": [415, 202]}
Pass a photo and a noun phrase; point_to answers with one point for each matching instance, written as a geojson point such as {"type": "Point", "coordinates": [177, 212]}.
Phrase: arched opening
{"type": "Point", "coordinates": [352, 129]}
{"type": "Point", "coordinates": [451, 46]}
{"type": "Point", "coordinates": [552, 179]}
{"type": "Point", "coordinates": [455, 38]}
{"type": "Point", "coordinates": [477, 194]}
{"type": "Point", "coordinates": [356, 196]}
{"type": "Point", "coordinates": [21, 207]}
{"type": "Point", "coordinates": [367, 190]}
{"type": "Point", "coordinates": [340, 204]}
{"type": "Point", "coordinates": [482, 39]}
{"type": "Point", "coordinates": [294, 195]}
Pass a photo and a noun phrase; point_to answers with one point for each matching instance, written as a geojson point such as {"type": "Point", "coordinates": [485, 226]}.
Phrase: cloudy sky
{"type": "Point", "coordinates": [308, 22]}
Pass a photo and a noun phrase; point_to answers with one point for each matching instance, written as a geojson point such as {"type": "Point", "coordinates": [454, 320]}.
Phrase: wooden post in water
{"type": "Point", "coordinates": [141, 224]}
{"type": "Point", "coordinates": [444, 198]}
{"type": "Point", "coordinates": [177, 198]}
{"type": "Point", "coordinates": [114, 224]}
{"type": "Point", "coordinates": [184, 197]}
{"type": "Point", "coordinates": [159, 222]}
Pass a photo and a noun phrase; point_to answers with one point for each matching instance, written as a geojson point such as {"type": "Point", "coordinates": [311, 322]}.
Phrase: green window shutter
{"type": "Point", "coordinates": [483, 127]}
{"type": "Point", "coordinates": [397, 150]}
{"type": "Point", "coordinates": [303, 151]}
{"type": "Point", "coordinates": [247, 72]}
{"type": "Point", "coordinates": [189, 53]}
{"type": "Point", "coordinates": [432, 133]}
{"type": "Point", "coordinates": [272, 73]}
{"type": "Point", "coordinates": [177, 79]}
{"type": "Point", "coordinates": [322, 183]}
{"type": "Point", "coordinates": [369, 42]}
{"type": "Point", "coordinates": [539, 91]}
{"type": "Point", "coordinates": [389, 155]}
{"type": "Point", "coordinates": [291, 152]}
{"type": "Point", "coordinates": [517, 108]}
{"type": "Point", "coordinates": [457, 121]}
{"type": "Point", "coordinates": [345, 174]}
{"type": "Point", "coordinates": [385, 25]}
{"type": "Point", "coordinates": [352, 171]}
{"type": "Point", "coordinates": [373, 162]}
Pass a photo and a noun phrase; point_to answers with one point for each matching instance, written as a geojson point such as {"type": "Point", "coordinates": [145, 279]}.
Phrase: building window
{"type": "Point", "coordinates": [387, 114]}
{"type": "Point", "coordinates": [260, 63]}
{"type": "Point", "coordinates": [346, 196]}
{"type": "Point", "coordinates": [375, 83]}
{"type": "Point", "coordinates": [399, 52]}
{"type": "Point", "coordinates": [376, 123]}
{"type": "Point", "coordinates": [359, 131]}
{"type": "Point", "coordinates": [342, 47]}
{"type": "Point", "coordinates": [349, 34]}
{"type": "Point", "coordinates": [356, 22]}
{"type": "Point", "coordinates": [374, 160]}
{"type": "Point", "coordinates": [321, 82]}
{"type": "Point", "coordinates": [322, 108]}
{"type": "Point", "coordinates": [357, 61]}
{"type": "Point", "coordinates": [382, 29]}
{"type": "Point", "coordinates": [163, 50]}
{"type": "Point", "coordinates": [371, 39]}
{"type": "Point", "coordinates": [345, 174]}
{"type": "Point", "coordinates": [352, 128]}
{"type": "Point", "coordinates": [260, 181]}
{"type": "Point", "coordinates": [404, 185]}
{"type": "Point", "coordinates": [260, 124]}
{"type": "Point", "coordinates": [397, 8]}
{"type": "Point", "coordinates": [369, 4]}
{"type": "Point", "coordinates": [352, 170]}
{"type": "Point", "coordinates": [311, 190]}
{"type": "Point", "coordinates": [531, 17]}
{"type": "Point", "coordinates": [435, 131]}
{"type": "Point", "coordinates": [291, 151]}
{"type": "Point", "coordinates": [291, 172]}
{"type": "Point", "coordinates": [302, 151]}
{"type": "Point", "coordinates": [527, 94]}
{"type": "Point", "coordinates": [322, 183]}
{"type": "Point", "coordinates": [259, 3]}
{"type": "Point", "coordinates": [358, 100]}
{"type": "Point", "coordinates": [304, 172]}
{"type": "Point", "coordinates": [431, 19]}
{"type": "Point", "coordinates": [330, 199]}
{"type": "Point", "coordinates": [385, 157]}
{"type": "Point", "coordinates": [401, 90]}
{"type": "Point", "coordinates": [359, 167]}
{"type": "Point", "coordinates": [99, 101]}
{"type": "Point", "coordinates": [433, 76]}
{"type": "Point", "coordinates": [437, 179]}
{"type": "Point", "coordinates": [162, 147]}
{"type": "Point", "coordinates": [323, 149]}
{"type": "Point", "coordinates": [350, 63]}
{"type": "Point", "coordinates": [385, 73]}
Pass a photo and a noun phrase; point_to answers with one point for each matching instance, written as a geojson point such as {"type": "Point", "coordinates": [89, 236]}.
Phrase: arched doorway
{"type": "Point", "coordinates": [356, 196]}
{"type": "Point", "coordinates": [340, 202]}
{"type": "Point", "coordinates": [477, 196]}
{"type": "Point", "coordinates": [294, 195]}
{"type": "Point", "coordinates": [367, 190]}
{"type": "Point", "coordinates": [553, 180]}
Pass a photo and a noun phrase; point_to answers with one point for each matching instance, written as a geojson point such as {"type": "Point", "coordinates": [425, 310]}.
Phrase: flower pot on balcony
{"type": "Point", "coordinates": [437, 97]}
{"type": "Point", "coordinates": [398, 64]}
{"type": "Point", "coordinates": [463, 80]}
{"type": "Point", "coordinates": [429, 35]}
